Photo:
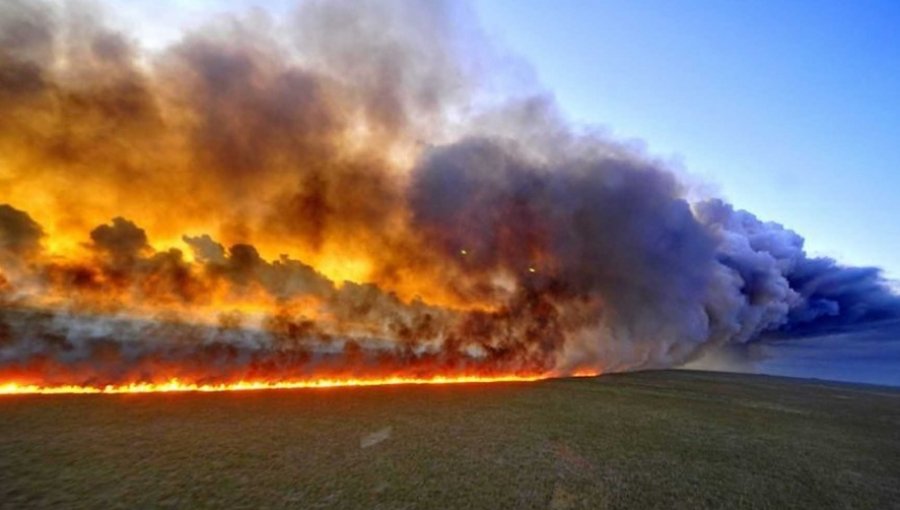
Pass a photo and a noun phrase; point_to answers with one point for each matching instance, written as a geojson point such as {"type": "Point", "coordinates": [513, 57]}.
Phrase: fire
{"type": "Point", "coordinates": [233, 213]}
{"type": "Point", "coordinates": [177, 386]}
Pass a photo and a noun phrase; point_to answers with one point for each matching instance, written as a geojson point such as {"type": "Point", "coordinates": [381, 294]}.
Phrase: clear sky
{"type": "Point", "coordinates": [788, 109]}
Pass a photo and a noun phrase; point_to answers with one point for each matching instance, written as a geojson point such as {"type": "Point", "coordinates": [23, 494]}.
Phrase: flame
{"type": "Point", "coordinates": [251, 216]}
{"type": "Point", "coordinates": [177, 386]}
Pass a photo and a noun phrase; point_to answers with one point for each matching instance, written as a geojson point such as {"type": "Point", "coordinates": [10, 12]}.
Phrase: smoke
{"type": "Point", "coordinates": [19, 234]}
{"type": "Point", "coordinates": [783, 289]}
{"type": "Point", "coordinates": [341, 192]}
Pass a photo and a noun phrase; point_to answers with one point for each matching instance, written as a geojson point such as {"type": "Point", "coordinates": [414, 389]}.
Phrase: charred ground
{"type": "Point", "coordinates": [655, 439]}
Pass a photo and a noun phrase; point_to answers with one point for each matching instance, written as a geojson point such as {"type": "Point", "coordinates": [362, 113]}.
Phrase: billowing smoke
{"type": "Point", "coordinates": [342, 193]}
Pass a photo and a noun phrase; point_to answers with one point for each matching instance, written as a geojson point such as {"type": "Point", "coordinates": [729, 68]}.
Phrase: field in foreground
{"type": "Point", "coordinates": [672, 439]}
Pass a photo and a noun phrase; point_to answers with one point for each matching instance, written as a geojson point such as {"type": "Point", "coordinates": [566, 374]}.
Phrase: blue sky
{"type": "Point", "coordinates": [788, 109]}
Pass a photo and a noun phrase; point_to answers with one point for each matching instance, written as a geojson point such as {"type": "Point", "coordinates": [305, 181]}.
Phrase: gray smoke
{"type": "Point", "coordinates": [536, 247]}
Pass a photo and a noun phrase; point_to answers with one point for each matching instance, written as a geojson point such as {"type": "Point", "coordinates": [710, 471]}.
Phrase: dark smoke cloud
{"type": "Point", "coordinates": [496, 238]}
{"type": "Point", "coordinates": [602, 242]}
{"type": "Point", "coordinates": [122, 240]}
{"type": "Point", "coordinates": [19, 234]}
{"type": "Point", "coordinates": [784, 290]}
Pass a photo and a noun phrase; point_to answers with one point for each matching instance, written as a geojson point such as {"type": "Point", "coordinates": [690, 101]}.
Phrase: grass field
{"type": "Point", "coordinates": [671, 439]}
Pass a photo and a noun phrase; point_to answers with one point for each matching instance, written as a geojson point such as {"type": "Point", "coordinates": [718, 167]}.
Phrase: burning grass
{"type": "Point", "coordinates": [665, 439]}
{"type": "Point", "coordinates": [177, 386]}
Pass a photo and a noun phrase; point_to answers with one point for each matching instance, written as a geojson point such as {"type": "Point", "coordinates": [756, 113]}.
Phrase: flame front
{"type": "Point", "coordinates": [176, 386]}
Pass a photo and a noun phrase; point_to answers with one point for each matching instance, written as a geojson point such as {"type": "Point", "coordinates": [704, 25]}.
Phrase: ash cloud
{"type": "Point", "coordinates": [481, 236]}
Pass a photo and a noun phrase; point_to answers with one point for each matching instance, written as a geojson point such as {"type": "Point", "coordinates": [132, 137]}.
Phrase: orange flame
{"type": "Point", "coordinates": [177, 386]}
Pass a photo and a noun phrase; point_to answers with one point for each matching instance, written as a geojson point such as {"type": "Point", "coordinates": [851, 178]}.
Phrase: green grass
{"type": "Point", "coordinates": [657, 439]}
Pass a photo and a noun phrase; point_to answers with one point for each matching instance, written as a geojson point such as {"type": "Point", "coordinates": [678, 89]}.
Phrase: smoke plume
{"type": "Point", "coordinates": [343, 193]}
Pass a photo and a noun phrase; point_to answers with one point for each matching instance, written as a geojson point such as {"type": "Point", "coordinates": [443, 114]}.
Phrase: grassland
{"type": "Point", "coordinates": [649, 440]}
